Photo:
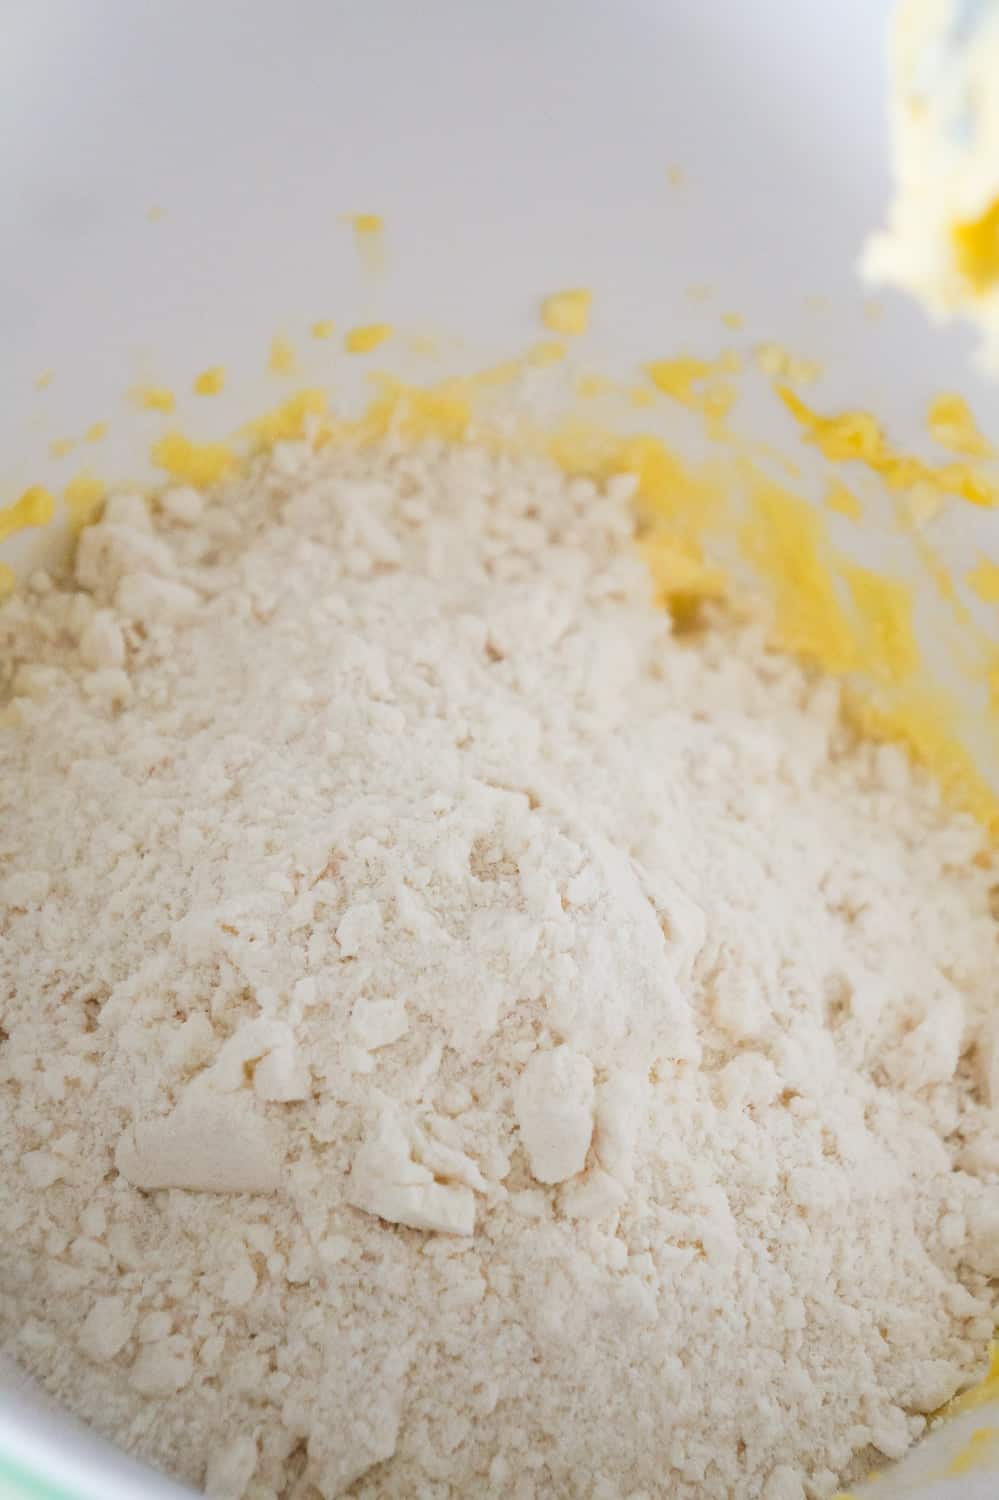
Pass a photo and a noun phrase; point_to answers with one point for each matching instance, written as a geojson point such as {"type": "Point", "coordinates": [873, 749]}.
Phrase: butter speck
{"type": "Point", "coordinates": [44, 380]}
{"type": "Point", "coordinates": [677, 377]}
{"type": "Point", "coordinates": [368, 336]}
{"type": "Point", "coordinates": [154, 398]}
{"type": "Point", "coordinates": [210, 381]}
{"type": "Point", "coordinates": [35, 507]}
{"type": "Point", "coordinates": [282, 356]}
{"type": "Point", "coordinates": [323, 328]}
{"type": "Point", "coordinates": [844, 501]}
{"type": "Point", "coordinates": [197, 464]}
{"type": "Point", "coordinates": [567, 312]}
{"type": "Point", "coordinates": [368, 236]}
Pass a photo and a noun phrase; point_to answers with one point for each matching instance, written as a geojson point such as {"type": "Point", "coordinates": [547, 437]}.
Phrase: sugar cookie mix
{"type": "Point", "coordinates": [461, 1036]}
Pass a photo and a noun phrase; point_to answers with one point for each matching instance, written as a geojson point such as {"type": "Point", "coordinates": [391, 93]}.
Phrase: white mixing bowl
{"type": "Point", "coordinates": [176, 184]}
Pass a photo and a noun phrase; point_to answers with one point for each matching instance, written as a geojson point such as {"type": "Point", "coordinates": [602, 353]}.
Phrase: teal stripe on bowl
{"type": "Point", "coordinates": [19, 1484]}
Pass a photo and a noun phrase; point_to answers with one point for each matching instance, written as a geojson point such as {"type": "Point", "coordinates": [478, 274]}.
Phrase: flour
{"type": "Point", "coordinates": [460, 1038]}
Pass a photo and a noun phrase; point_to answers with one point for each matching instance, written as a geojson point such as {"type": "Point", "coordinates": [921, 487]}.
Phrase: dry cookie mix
{"type": "Point", "coordinates": [460, 1037]}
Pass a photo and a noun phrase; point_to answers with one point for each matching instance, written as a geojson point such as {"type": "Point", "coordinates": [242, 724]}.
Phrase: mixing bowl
{"type": "Point", "coordinates": [182, 186]}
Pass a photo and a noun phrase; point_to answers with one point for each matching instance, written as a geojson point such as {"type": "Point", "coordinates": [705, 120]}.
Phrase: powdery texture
{"type": "Point", "coordinates": [459, 1038]}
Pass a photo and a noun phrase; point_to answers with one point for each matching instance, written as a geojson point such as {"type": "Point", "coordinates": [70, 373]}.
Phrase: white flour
{"type": "Point", "coordinates": [459, 1039]}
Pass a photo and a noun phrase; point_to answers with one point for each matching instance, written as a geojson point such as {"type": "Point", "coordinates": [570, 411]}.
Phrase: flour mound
{"type": "Point", "coordinates": [459, 1037]}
